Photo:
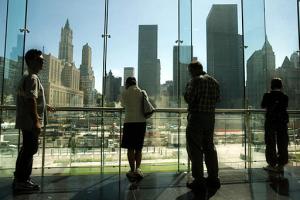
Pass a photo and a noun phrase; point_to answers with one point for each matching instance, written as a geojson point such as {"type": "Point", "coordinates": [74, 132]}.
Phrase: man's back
{"type": "Point", "coordinates": [202, 93]}
{"type": "Point", "coordinates": [276, 103]}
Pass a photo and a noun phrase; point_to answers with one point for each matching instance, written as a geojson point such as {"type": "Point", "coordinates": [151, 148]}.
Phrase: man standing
{"type": "Point", "coordinates": [276, 127]}
{"type": "Point", "coordinates": [202, 93]}
{"type": "Point", "coordinates": [30, 117]}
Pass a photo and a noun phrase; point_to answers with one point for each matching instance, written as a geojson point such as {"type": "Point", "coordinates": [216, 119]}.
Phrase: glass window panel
{"type": "Point", "coordinates": [254, 41]}
{"type": "Point", "coordinates": [141, 45]}
{"type": "Point", "coordinates": [217, 44]}
{"type": "Point", "coordinates": [11, 67]}
{"type": "Point", "coordinates": [217, 39]}
{"type": "Point", "coordinates": [69, 34]}
{"type": "Point", "coordinates": [143, 35]}
{"type": "Point", "coordinates": [282, 35]}
{"type": "Point", "coordinates": [14, 50]}
{"type": "Point", "coordinates": [3, 8]}
{"type": "Point", "coordinates": [70, 39]}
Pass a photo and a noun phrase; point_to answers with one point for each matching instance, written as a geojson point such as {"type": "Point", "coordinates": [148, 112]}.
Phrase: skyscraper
{"type": "Point", "coordinates": [87, 78]}
{"type": "Point", "coordinates": [148, 63]}
{"type": "Point", "coordinates": [128, 72]}
{"type": "Point", "coordinates": [65, 44]}
{"type": "Point", "coordinates": [224, 53]}
{"type": "Point", "coordinates": [184, 60]}
{"type": "Point", "coordinates": [113, 87]}
{"type": "Point", "coordinates": [260, 71]}
{"type": "Point", "coordinates": [289, 72]}
{"type": "Point", "coordinates": [60, 77]}
{"type": "Point", "coordinates": [17, 50]}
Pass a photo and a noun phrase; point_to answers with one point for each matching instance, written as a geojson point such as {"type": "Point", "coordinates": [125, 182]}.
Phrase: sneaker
{"type": "Point", "coordinates": [130, 175]}
{"type": "Point", "coordinates": [270, 168]}
{"type": "Point", "coordinates": [33, 184]}
{"type": "Point", "coordinates": [197, 187]}
{"type": "Point", "coordinates": [25, 186]}
{"type": "Point", "coordinates": [138, 172]}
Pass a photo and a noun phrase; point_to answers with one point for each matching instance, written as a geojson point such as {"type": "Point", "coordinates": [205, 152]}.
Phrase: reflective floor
{"type": "Point", "coordinates": [236, 185]}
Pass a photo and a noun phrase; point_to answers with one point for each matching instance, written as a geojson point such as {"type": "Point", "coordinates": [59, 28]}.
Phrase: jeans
{"type": "Point", "coordinates": [25, 157]}
{"type": "Point", "coordinates": [276, 134]}
{"type": "Point", "coordinates": [199, 138]}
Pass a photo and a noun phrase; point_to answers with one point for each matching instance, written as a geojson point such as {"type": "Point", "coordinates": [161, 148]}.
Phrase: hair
{"type": "Point", "coordinates": [195, 68]}
{"type": "Point", "coordinates": [31, 55]}
{"type": "Point", "coordinates": [129, 82]}
{"type": "Point", "coordinates": [276, 83]}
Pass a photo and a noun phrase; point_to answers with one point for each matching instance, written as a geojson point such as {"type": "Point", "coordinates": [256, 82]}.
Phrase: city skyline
{"type": "Point", "coordinates": [117, 56]}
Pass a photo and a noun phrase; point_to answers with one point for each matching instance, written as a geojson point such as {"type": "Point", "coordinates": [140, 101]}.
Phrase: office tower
{"type": "Point", "coordinates": [87, 78]}
{"type": "Point", "coordinates": [185, 58]}
{"type": "Point", "coordinates": [289, 72]}
{"type": "Point", "coordinates": [113, 86]}
{"type": "Point", "coordinates": [17, 50]}
{"type": "Point", "coordinates": [224, 54]}
{"type": "Point", "coordinates": [148, 63]}
{"type": "Point", "coordinates": [65, 44]}
{"type": "Point", "coordinates": [260, 71]}
{"type": "Point", "coordinates": [295, 60]}
{"type": "Point", "coordinates": [60, 77]}
{"type": "Point", "coordinates": [58, 90]}
{"type": "Point", "coordinates": [12, 75]}
{"type": "Point", "coordinates": [128, 72]}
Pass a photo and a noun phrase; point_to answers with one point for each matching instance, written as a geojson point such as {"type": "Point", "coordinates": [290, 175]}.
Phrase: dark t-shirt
{"type": "Point", "coordinates": [276, 103]}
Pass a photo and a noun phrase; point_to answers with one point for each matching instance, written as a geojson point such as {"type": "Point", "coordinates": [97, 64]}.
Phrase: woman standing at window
{"type": "Point", "coordinates": [134, 127]}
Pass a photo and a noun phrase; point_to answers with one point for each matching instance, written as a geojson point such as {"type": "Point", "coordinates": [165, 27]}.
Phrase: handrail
{"type": "Point", "coordinates": [160, 110]}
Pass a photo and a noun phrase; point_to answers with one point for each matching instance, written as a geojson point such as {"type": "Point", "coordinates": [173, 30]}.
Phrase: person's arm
{"type": "Point", "coordinates": [286, 102]}
{"type": "Point", "coordinates": [190, 92]}
{"type": "Point", "coordinates": [33, 112]}
{"type": "Point", "coordinates": [264, 101]}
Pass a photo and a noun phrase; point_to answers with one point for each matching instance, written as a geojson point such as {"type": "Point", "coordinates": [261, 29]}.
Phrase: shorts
{"type": "Point", "coordinates": [133, 135]}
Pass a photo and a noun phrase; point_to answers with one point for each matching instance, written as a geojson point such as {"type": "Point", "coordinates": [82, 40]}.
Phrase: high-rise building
{"type": "Point", "coordinates": [295, 59]}
{"type": "Point", "coordinates": [224, 54]}
{"type": "Point", "coordinates": [60, 77]}
{"type": "Point", "coordinates": [113, 87]}
{"type": "Point", "coordinates": [61, 82]}
{"type": "Point", "coordinates": [128, 72]}
{"type": "Point", "coordinates": [148, 63]}
{"type": "Point", "coordinates": [17, 50]}
{"type": "Point", "coordinates": [289, 72]}
{"type": "Point", "coordinates": [65, 44]}
{"type": "Point", "coordinates": [183, 61]}
{"type": "Point", "coordinates": [12, 75]}
{"type": "Point", "coordinates": [87, 78]}
{"type": "Point", "coordinates": [260, 71]}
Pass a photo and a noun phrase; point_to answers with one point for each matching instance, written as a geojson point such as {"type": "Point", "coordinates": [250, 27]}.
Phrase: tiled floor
{"type": "Point", "coordinates": [236, 185]}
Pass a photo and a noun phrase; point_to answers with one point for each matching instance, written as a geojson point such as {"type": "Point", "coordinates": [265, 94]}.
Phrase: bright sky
{"type": "Point", "coordinates": [45, 19]}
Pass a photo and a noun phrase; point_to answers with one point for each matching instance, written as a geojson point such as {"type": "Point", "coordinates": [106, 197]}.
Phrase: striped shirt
{"type": "Point", "coordinates": [202, 93]}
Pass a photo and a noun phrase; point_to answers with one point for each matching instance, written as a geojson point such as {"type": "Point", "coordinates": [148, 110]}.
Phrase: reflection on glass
{"type": "Point", "coordinates": [69, 42]}
{"type": "Point", "coordinates": [14, 50]}
{"type": "Point", "coordinates": [3, 7]}
{"type": "Point", "coordinates": [282, 35]}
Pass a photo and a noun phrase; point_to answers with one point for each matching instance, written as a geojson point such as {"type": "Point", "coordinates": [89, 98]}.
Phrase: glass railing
{"type": "Point", "coordinates": [87, 141]}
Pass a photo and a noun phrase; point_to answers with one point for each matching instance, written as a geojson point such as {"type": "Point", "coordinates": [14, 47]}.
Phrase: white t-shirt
{"type": "Point", "coordinates": [131, 100]}
{"type": "Point", "coordinates": [29, 87]}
